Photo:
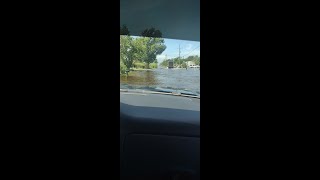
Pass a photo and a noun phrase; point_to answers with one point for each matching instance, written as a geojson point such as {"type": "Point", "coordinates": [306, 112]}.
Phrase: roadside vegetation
{"type": "Point", "coordinates": [139, 53]}
{"type": "Point", "coordinates": [181, 62]}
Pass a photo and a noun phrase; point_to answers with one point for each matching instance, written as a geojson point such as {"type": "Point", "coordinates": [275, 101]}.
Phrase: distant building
{"type": "Point", "coordinates": [190, 63]}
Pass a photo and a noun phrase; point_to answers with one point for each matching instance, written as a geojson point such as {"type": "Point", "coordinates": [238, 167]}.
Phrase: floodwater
{"type": "Point", "coordinates": [183, 79]}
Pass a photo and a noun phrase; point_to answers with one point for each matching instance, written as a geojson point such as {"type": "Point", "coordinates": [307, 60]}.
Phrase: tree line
{"type": "Point", "coordinates": [140, 52]}
{"type": "Point", "coordinates": [181, 62]}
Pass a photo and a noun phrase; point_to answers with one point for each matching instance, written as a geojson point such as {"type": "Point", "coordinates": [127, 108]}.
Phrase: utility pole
{"type": "Point", "coordinates": [178, 64]}
{"type": "Point", "coordinates": [179, 51]}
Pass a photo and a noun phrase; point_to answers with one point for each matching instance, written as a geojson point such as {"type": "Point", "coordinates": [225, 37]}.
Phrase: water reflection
{"type": "Point", "coordinates": [167, 78]}
{"type": "Point", "coordinates": [141, 78]}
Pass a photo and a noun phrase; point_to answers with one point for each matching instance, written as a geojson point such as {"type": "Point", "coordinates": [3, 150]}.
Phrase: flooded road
{"type": "Point", "coordinates": [184, 79]}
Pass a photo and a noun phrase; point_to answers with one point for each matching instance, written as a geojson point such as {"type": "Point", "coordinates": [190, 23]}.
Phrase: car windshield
{"type": "Point", "coordinates": [160, 64]}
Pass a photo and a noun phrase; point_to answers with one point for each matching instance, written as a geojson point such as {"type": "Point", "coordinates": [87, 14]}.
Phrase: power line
{"type": "Point", "coordinates": [191, 51]}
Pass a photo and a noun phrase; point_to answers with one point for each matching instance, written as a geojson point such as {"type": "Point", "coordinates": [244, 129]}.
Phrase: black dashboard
{"type": "Point", "coordinates": [159, 136]}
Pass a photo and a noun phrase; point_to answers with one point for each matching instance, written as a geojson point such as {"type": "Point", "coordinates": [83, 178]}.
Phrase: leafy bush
{"type": "Point", "coordinates": [153, 65]}
{"type": "Point", "coordinates": [123, 68]}
{"type": "Point", "coordinates": [184, 65]}
{"type": "Point", "coordinates": [139, 65]}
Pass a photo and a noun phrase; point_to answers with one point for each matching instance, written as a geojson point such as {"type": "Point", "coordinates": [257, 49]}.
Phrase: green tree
{"type": "Point", "coordinates": [142, 50]}
{"type": "Point", "coordinates": [182, 62]}
{"type": "Point", "coordinates": [124, 30]}
{"type": "Point", "coordinates": [184, 65]}
{"type": "Point", "coordinates": [148, 48]}
{"type": "Point", "coordinates": [152, 32]}
{"type": "Point", "coordinates": [152, 45]}
{"type": "Point", "coordinates": [164, 63]}
{"type": "Point", "coordinates": [127, 51]}
{"type": "Point", "coordinates": [122, 68]}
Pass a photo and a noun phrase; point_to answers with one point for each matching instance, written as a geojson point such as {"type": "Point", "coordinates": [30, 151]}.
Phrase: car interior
{"type": "Point", "coordinates": [160, 132]}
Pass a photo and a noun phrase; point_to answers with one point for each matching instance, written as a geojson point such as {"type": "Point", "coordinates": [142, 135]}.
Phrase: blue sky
{"type": "Point", "coordinates": [188, 48]}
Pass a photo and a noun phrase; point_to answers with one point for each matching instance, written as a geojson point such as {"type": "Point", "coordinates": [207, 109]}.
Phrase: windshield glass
{"type": "Point", "coordinates": [159, 64]}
